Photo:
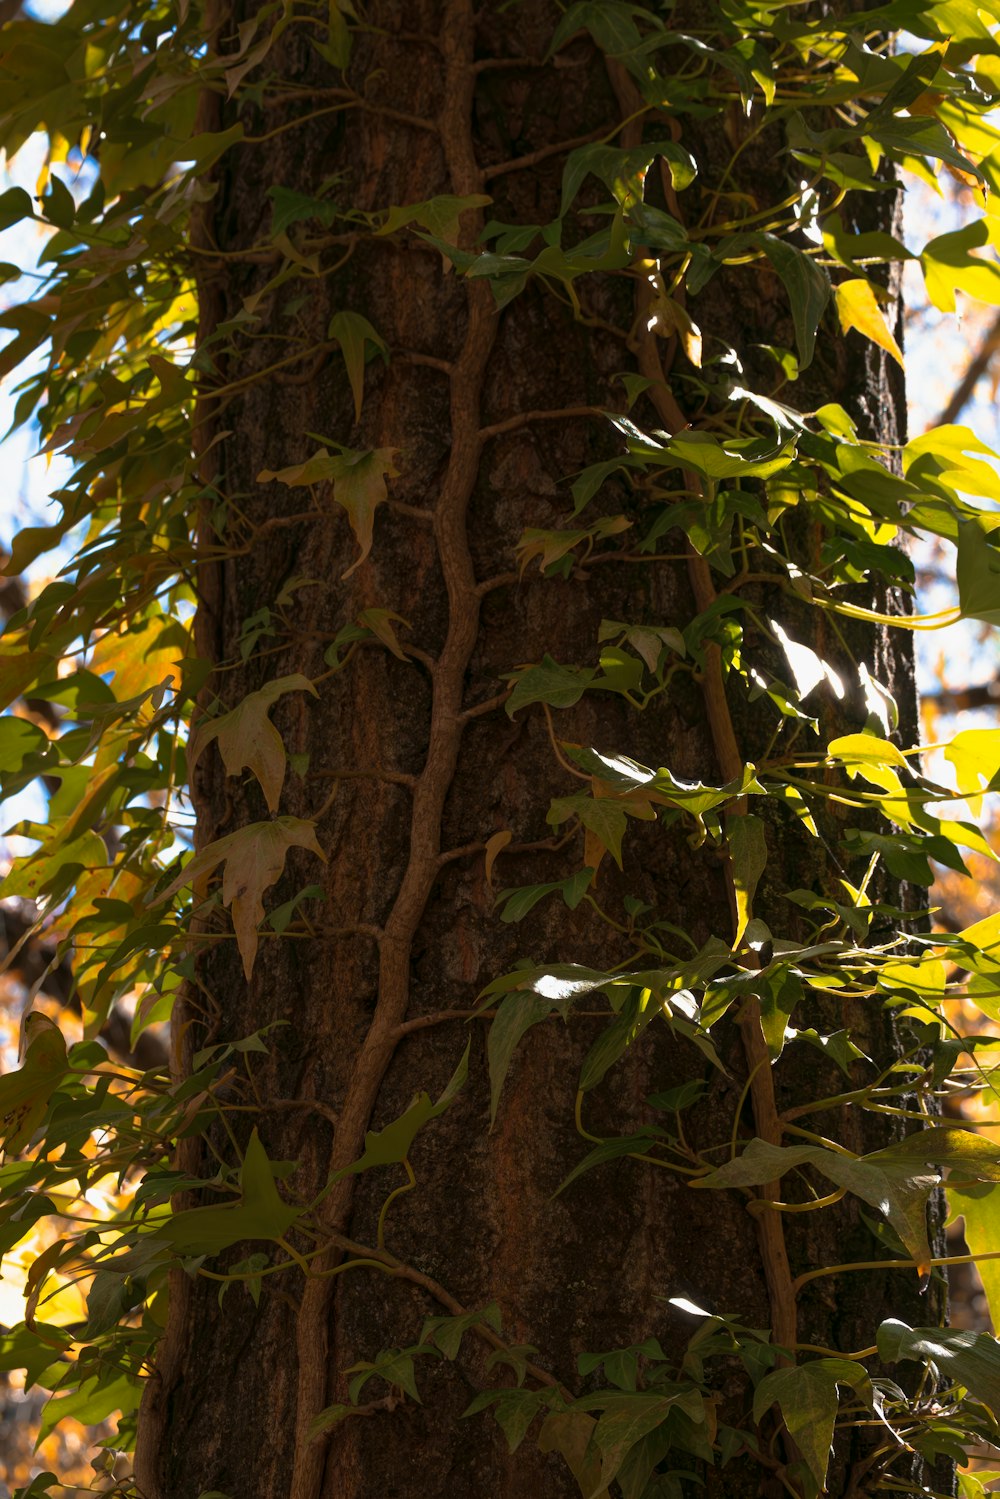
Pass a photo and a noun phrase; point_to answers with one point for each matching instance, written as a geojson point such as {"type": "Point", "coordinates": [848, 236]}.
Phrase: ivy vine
{"type": "Point", "coordinates": [719, 474]}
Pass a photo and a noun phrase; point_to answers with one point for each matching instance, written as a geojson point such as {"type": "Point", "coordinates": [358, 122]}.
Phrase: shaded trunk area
{"type": "Point", "coordinates": [479, 416]}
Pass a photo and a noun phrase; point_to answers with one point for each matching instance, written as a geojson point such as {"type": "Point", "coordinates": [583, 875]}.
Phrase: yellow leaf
{"type": "Point", "coordinates": [975, 754]}
{"type": "Point", "coordinates": [859, 309]}
{"type": "Point", "coordinates": [358, 480]}
{"type": "Point", "coordinates": [25, 1094]}
{"type": "Point", "coordinates": [248, 739]}
{"type": "Point", "coordinates": [494, 845]}
{"type": "Point", "coordinates": [359, 485]}
{"type": "Point", "coordinates": [254, 858]}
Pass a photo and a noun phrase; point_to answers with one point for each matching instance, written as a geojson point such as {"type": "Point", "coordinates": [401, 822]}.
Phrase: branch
{"type": "Point", "coordinates": [977, 367]}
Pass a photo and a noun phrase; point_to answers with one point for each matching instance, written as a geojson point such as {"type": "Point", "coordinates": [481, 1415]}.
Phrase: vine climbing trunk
{"type": "Point", "coordinates": [447, 413]}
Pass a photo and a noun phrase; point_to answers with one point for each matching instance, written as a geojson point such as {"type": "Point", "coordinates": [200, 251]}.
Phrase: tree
{"type": "Point", "coordinates": [550, 747]}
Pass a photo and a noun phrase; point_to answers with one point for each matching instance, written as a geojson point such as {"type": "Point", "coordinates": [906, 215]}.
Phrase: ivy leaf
{"type": "Point", "coordinates": [610, 23]}
{"type": "Point", "coordinates": [637, 1012]}
{"type": "Point", "coordinates": [897, 1181]}
{"type": "Point", "coordinates": [808, 1399]}
{"type": "Point", "coordinates": [559, 686]}
{"type": "Point", "coordinates": [623, 171]}
{"type": "Point", "coordinates": [26, 1093]}
{"type": "Point", "coordinates": [248, 739]}
{"type": "Point", "coordinates": [293, 208]}
{"type": "Point", "coordinates": [392, 1145]}
{"type": "Point", "coordinates": [516, 1014]}
{"type": "Point", "coordinates": [748, 856]}
{"type": "Point", "coordinates": [354, 333]}
{"type": "Point", "coordinates": [628, 1417]}
{"type": "Point", "coordinates": [19, 670]}
{"type": "Point", "coordinates": [570, 1433]}
{"type": "Point", "coordinates": [808, 288]}
{"type": "Point", "coordinates": [856, 751]}
{"type": "Point", "coordinates": [978, 574]}
{"type": "Point", "coordinates": [446, 1333]}
{"type": "Point", "coordinates": [949, 265]}
{"type": "Point", "coordinates": [946, 1145]}
{"type": "Point", "coordinates": [261, 1212]}
{"type": "Point", "coordinates": [15, 205]}
{"type": "Point", "coordinates": [358, 479]}
{"type": "Point", "coordinates": [513, 1410]}
{"type": "Point", "coordinates": [359, 485]}
{"type": "Point", "coordinates": [610, 1150]}
{"type": "Point", "coordinates": [968, 1358]}
{"type": "Point", "coordinates": [329, 1417]}
{"type": "Point", "coordinates": [254, 858]}
{"type": "Point", "coordinates": [440, 216]}
{"type": "Point", "coordinates": [975, 754]}
{"type": "Point", "coordinates": [603, 819]}
{"type": "Point", "coordinates": [979, 1205]}
{"type": "Point", "coordinates": [858, 308]}
{"type": "Point", "coordinates": [808, 668]}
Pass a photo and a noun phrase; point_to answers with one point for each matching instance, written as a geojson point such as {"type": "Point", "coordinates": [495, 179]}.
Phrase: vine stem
{"type": "Point", "coordinates": [767, 1121]}
{"type": "Point", "coordinates": [446, 728]}
{"type": "Point", "coordinates": [948, 1259]}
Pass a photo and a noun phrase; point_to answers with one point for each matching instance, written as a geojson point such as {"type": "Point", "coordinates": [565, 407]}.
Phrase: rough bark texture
{"type": "Point", "coordinates": [408, 928]}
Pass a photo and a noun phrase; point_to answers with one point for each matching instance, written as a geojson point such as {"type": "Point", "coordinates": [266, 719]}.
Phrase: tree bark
{"type": "Point", "coordinates": [426, 766]}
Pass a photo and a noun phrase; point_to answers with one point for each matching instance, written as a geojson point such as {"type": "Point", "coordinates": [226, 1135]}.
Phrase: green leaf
{"type": "Point", "coordinates": [391, 1145]}
{"type": "Point", "coordinates": [969, 1358]}
{"type": "Point", "coordinates": [19, 670]}
{"type": "Point", "coordinates": [440, 216]}
{"type": "Point", "coordinates": [294, 208]}
{"type": "Point", "coordinates": [748, 856]}
{"type": "Point", "coordinates": [898, 1181]}
{"type": "Point", "coordinates": [261, 1212]}
{"type": "Point", "coordinates": [610, 1150]}
{"type": "Point", "coordinates": [331, 1416]}
{"type": "Point", "coordinates": [731, 459]}
{"type": "Point", "coordinates": [106, 1303]}
{"type": "Point", "coordinates": [446, 1333]}
{"type": "Point", "coordinates": [513, 1410]}
{"type": "Point", "coordinates": [92, 1402]}
{"type": "Point", "coordinates": [610, 23]}
{"type": "Point", "coordinates": [58, 204]}
{"type": "Point", "coordinates": [623, 171]}
{"type": "Point", "coordinates": [559, 686]}
{"type": "Point", "coordinates": [979, 1205]}
{"type": "Point", "coordinates": [809, 1401]}
{"type": "Point", "coordinates": [851, 247]}
{"type": "Point", "coordinates": [637, 1012]}
{"type": "Point", "coordinates": [395, 1366]}
{"type": "Point", "coordinates": [627, 1418]}
{"type": "Point", "coordinates": [354, 333]}
{"type": "Point", "coordinates": [15, 205]}
{"type": "Point", "coordinates": [978, 574]}
{"type": "Point", "coordinates": [808, 288]}
{"type": "Point", "coordinates": [515, 1015]}
{"type": "Point", "coordinates": [519, 900]}
{"type": "Point", "coordinates": [600, 815]}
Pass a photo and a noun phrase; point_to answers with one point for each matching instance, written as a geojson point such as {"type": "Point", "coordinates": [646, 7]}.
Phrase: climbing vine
{"type": "Point", "coordinates": [787, 516]}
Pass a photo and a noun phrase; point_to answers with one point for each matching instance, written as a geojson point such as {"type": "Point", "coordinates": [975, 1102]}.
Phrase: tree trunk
{"type": "Point", "coordinates": [411, 764]}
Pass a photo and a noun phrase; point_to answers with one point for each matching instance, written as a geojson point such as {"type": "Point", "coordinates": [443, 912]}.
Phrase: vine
{"type": "Point", "coordinates": [719, 463]}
